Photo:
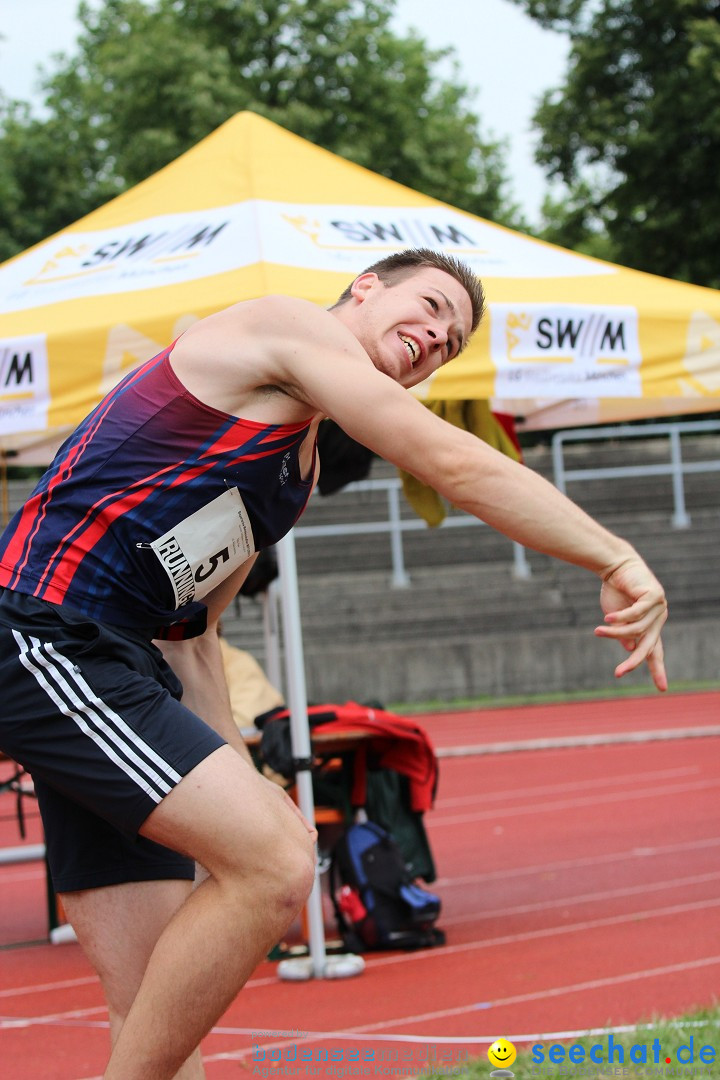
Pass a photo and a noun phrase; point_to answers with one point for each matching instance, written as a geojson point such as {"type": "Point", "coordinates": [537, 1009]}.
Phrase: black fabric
{"type": "Point", "coordinates": [342, 459]}
{"type": "Point", "coordinates": [85, 852]}
{"type": "Point", "coordinates": [263, 572]}
{"type": "Point", "coordinates": [276, 742]}
{"type": "Point", "coordinates": [276, 748]}
{"type": "Point", "coordinates": [94, 715]}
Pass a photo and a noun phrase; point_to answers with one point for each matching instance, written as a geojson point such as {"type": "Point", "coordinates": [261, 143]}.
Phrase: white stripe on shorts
{"type": "Point", "coordinates": [94, 717]}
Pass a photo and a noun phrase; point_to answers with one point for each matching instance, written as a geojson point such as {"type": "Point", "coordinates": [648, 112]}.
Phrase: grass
{"type": "Point", "coordinates": [487, 701]}
{"type": "Point", "coordinates": [702, 1026]}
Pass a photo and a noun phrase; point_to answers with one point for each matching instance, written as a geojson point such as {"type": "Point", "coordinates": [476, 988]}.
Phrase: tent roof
{"type": "Point", "coordinates": [253, 209]}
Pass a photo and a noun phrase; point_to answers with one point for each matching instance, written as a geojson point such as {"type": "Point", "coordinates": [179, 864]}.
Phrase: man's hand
{"type": "Point", "coordinates": [635, 610]}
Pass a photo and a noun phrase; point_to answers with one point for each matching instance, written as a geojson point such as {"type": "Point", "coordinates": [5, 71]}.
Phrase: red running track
{"type": "Point", "coordinates": [579, 887]}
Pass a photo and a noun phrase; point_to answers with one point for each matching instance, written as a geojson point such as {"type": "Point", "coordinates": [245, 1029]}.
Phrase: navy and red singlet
{"type": "Point", "coordinates": [151, 502]}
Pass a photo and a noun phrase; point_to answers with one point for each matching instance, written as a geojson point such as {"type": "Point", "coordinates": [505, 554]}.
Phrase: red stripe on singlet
{"type": "Point", "coordinates": [54, 584]}
{"type": "Point", "coordinates": [36, 508]}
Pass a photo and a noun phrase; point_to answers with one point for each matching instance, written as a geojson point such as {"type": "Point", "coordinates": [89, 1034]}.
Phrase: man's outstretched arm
{"type": "Point", "coordinates": [332, 372]}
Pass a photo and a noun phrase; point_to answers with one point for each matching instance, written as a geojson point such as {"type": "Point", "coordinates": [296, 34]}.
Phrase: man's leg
{"type": "Point", "coordinates": [259, 854]}
{"type": "Point", "coordinates": [118, 928]}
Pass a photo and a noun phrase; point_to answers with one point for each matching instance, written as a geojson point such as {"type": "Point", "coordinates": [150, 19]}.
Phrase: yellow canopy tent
{"type": "Point", "coordinates": [253, 209]}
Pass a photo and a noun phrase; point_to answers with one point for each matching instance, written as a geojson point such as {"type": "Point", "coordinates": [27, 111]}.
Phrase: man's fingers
{"type": "Point", "coordinates": [631, 632]}
{"type": "Point", "coordinates": [635, 610]}
{"type": "Point", "coordinates": [642, 608]}
{"type": "Point", "coordinates": [641, 639]}
{"type": "Point", "coordinates": [626, 628]}
{"type": "Point", "coordinates": [655, 661]}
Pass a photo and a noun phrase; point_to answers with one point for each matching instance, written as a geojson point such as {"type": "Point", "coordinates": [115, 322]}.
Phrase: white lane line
{"type": "Point", "coordinates": [443, 951]}
{"type": "Point", "coordinates": [614, 780]}
{"type": "Point", "coordinates": [497, 814]}
{"type": "Point", "coordinates": [474, 1007]}
{"type": "Point", "coordinates": [68, 984]}
{"type": "Point", "coordinates": [40, 988]}
{"type": "Point", "coordinates": [7, 1022]}
{"type": "Point", "coordinates": [577, 864]}
{"type": "Point", "coordinates": [439, 952]}
{"type": "Point", "coordinates": [584, 898]}
{"type": "Point", "coordinates": [568, 742]}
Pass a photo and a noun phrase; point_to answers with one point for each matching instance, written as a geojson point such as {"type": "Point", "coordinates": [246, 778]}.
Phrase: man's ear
{"type": "Point", "coordinates": [362, 285]}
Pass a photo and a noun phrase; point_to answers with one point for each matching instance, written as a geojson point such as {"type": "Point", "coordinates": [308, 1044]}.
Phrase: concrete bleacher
{"type": "Point", "coordinates": [466, 627]}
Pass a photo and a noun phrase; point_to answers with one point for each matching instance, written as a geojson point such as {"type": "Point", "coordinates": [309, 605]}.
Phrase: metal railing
{"type": "Point", "coordinates": [395, 525]}
{"type": "Point", "coordinates": [675, 468]}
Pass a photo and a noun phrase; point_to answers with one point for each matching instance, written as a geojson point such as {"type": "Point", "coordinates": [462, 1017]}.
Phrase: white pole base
{"type": "Point", "coordinates": [62, 934]}
{"type": "Point", "coordinates": [300, 968]}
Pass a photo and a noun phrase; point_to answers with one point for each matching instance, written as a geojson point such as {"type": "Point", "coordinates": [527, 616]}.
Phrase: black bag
{"type": "Point", "coordinates": [377, 904]}
{"type": "Point", "coordinates": [262, 573]}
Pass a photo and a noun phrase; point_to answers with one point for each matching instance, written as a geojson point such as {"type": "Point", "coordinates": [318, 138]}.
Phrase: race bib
{"type": "Point", "coordinates": [203, 549]}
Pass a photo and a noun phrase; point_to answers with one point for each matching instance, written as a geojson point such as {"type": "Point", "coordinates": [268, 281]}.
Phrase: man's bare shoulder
{"type": "Point", "coordinates": [274, 306]}
{"type": "Point", "coordinates": [243, 351]}
{"type": "Point", "coordinates": [278, 304]}
{"type": "Point", "coordinates": [291, 319]}
{"type": "Point", "coordinates": [257, 323]}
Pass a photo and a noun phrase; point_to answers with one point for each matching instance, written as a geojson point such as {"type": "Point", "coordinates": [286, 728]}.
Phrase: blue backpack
{"type": "Point", "coordinates": [377, 904]}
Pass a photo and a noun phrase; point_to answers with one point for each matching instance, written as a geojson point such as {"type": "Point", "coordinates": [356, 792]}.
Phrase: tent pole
{"type": "Point", "coordinates": [271, 633]}
{"type": "Point", "coordinates": [318, 963]}
{"type": "Point", "coordinates": [300, 729]}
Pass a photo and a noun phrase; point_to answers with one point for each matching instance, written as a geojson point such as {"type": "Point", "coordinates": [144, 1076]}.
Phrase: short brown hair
{"type": "Point", "coordinates": [404, 264]}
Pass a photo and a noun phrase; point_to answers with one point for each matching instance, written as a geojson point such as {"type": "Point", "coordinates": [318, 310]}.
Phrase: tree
{"type": "Point", "coordinates": [634, 131]}
{"type": "Point", "coordinates": [51, 172]}
{"type": "Point", "coordinates": [153, 77]}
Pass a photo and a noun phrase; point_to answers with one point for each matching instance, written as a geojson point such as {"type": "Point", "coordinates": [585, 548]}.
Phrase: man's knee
{"type": "Point", "coordinates": [288, 875]}
{"type": "Point", "coordinates": [267, 851]}
{"type": "Point", "coordinates": [243, 829]}
{"type": "Point", "coordinates": [302, 874]}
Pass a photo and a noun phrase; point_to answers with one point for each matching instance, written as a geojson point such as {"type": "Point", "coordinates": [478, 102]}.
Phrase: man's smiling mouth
{"type": "Point", "coordinates": [411, 348]}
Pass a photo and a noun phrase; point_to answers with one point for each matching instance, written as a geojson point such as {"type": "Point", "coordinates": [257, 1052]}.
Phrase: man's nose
{"type": "Point", "coordinates": [438, 338]}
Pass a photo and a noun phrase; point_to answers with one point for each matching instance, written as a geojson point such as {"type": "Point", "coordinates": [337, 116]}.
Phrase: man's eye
{"type": "Point", "coordinates": [433, 303]}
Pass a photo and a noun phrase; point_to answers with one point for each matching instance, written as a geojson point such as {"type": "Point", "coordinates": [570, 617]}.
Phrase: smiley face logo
{"type": "Point", "coordinates": [502, 1054]}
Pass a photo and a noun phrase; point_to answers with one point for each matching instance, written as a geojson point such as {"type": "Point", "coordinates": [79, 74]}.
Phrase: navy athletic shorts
{"type": "Point", "coordinates": [94, 715]}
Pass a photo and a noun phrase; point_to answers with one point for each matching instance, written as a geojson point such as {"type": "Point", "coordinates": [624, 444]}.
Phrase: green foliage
{"type": "Point", "coordinates": [571, 223]}
{"type": "Point", "coordinates": [49, 175]}
{"type": "Point", "coordinates": [153, 77]}
{"type": "Point", "coordinates": [634, 131]}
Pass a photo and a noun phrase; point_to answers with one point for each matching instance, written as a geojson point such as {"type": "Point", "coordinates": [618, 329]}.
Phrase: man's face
{"type": "Point", "coordinates": [411, 328]}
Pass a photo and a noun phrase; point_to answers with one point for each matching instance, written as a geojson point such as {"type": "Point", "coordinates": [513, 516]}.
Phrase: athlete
{"type": "Point", "coordinates": [114, 576]}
